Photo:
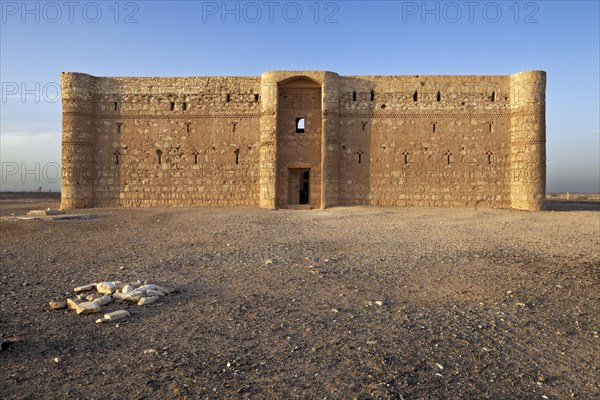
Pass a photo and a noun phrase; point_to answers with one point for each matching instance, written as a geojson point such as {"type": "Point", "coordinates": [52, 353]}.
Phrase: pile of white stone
{"type": "Point", "coordinates": [89, 298]}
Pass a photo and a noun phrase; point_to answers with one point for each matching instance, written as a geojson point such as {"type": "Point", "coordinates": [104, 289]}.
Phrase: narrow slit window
{"type": "Point", "coordinates": [489, 155]}
{"type": "Point", "coordinates": [195, 154]}
{"type": "Point", "coordinates": [117, 154]}
{"type": "Point", "coordinates": [493, 96]}
{"type": "Point", "coordinates": [372, 95]}
{"type": "Point", "coordinates": [433, 126]}
{"type": "Point", "coordinates": [415, 96]}
{"type": "Point", "coordinates": [188, 127]}
{"type": "Point", "coordinates": [359, 156]}
{"type": "Point", "coordinates": [119, 127]}
{"type": "Point", "coordinates": [448, 158]}
{"type": "Point", "coordinates": [354, 96]}
{"type": "Point", "coordinates": [364, 125]}
{"type": "Point", "coordinates": [438, 97]}
{"type": "Point", "coordinates": [228, 98]}
{"type": "Point", "coordinates": [116, 106]}
{"type": "Point", "coordinates": [300, 125]}
{"type": "Point", "coordinates": [172, 105]}
{"type": "Point", "coordinates": [159, 156]}
{"type": "Point", "coordinates": [237, 156]}
{"type": "Point", "coordinates": [490, 127]}
{"type": "Point", "coordinates": [234, 125]}
{"type": "Point", "coordinates": [405, 154]}
{"type": "Point", "coordinates": [256, 98]}
{"type": "Point", "coordinates": [184, 106]}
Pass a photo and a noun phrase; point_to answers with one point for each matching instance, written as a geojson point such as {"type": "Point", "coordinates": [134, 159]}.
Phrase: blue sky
{"type": "Point", "coordinates": [39, 39]}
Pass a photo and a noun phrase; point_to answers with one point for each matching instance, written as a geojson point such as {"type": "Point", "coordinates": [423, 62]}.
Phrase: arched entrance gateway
{"type": "Point", "coordinates": [299, 138]}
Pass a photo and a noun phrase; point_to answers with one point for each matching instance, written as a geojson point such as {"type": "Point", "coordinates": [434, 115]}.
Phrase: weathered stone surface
{"type": "Point", "coordinates": [92, 297]}
{"type": "Point", "coordinates": [72, 304]}
{"type": "Point", "coordinates": [368, 140]}
{"type": "Point", "coordinates": [127, 289]}
{"type": "Point", "coordinates": [147, 300]}
{"type": "Point", "coordinates": [154, 293]}
{"type": "Point", "coordinates": [104, 299]}
{"type": "Point", "coordinates": [89, 307]}
{"type": "Point", "coordinates": [146, 287]}
{"type": "Point", "coordinates": [85, 288]}
{"type": "Point", "coordinates": [106, 287]}
{"type": "Point", "coordinates": [116, 315]}
{"type": "Point", "coordinates": [58, 305]}
{"type": "Point", "coordinates": [134, 297]}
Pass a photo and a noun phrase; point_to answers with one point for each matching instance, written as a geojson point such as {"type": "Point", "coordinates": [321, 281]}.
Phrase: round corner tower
{"type": "Point", "coordinates": [78, 98]}
{"type": "Point", "coordinates": [528, 140]}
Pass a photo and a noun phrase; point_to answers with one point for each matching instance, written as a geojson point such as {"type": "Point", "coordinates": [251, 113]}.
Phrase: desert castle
{"type": "Point", "coordinates": [304, 139]}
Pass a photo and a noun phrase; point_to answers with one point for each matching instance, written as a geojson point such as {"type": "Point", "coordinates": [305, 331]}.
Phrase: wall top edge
{"type": "Point", "coordinates": [299, 73]}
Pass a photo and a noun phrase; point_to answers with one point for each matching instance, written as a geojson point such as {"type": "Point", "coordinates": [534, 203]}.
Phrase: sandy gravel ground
{"type": "Point", "coordinates": [358, 303]}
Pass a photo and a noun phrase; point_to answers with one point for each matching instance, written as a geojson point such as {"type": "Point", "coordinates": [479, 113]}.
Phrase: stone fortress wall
{"type": "Point", "coordinates": [304, 139]}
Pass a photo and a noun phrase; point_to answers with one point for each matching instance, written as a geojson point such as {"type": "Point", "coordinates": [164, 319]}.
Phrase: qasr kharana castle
{"type": "Point", "coordinates": [304, 139]}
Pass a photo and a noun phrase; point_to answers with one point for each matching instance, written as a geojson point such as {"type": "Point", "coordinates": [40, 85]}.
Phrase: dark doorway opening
{"type": "Point", "coordinates": [299, 186]}
{"type": "Point", "coordinates": [304, 186]}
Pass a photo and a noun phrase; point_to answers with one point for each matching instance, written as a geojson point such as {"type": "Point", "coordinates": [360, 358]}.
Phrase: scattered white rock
{"type": "Point", "coordinates": [58, 305]}
{"type": "Point", "coordinates": [127, 289]}
{"type": "Point", "coordinates": [145, 288]}
{"type": "Point", "coordinates": [147, 300]}
{"type": "Point", "coordinates": [106, 287]}
{"type": "Point", "coordinates": [440, 366]}
{"type": "Point", "coordinates": [88, 307]}
{"type": "Point", "coordinates": [269, 262]}
{"type": "Point", "coordinates": [149, 351]}
{"type": "Point", "coordinates": [85, 288]}
{"type": "Point", "coordinates": [56, 360]}
{"type": "Point", "coordinates": [116, 315]}
{"type": "Point", "coordinates": [113, 316]}
{"type": "Point", "coordinates": [379, 303]}
{"type": "Point", "coordinates": [134, 297]}
{"type": "Point", "coordinates": [136, 284]}
{"type": "Point", "coordinates": [72, 304]}
{"type": "Point", "coordinates": [104, 300]}
{"type": "Point", "coordinates": [89, 303]}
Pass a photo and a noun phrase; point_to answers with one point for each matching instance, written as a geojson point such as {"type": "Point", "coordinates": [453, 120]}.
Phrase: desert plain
{"type": "Point", "coordinates": [342, 303]}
